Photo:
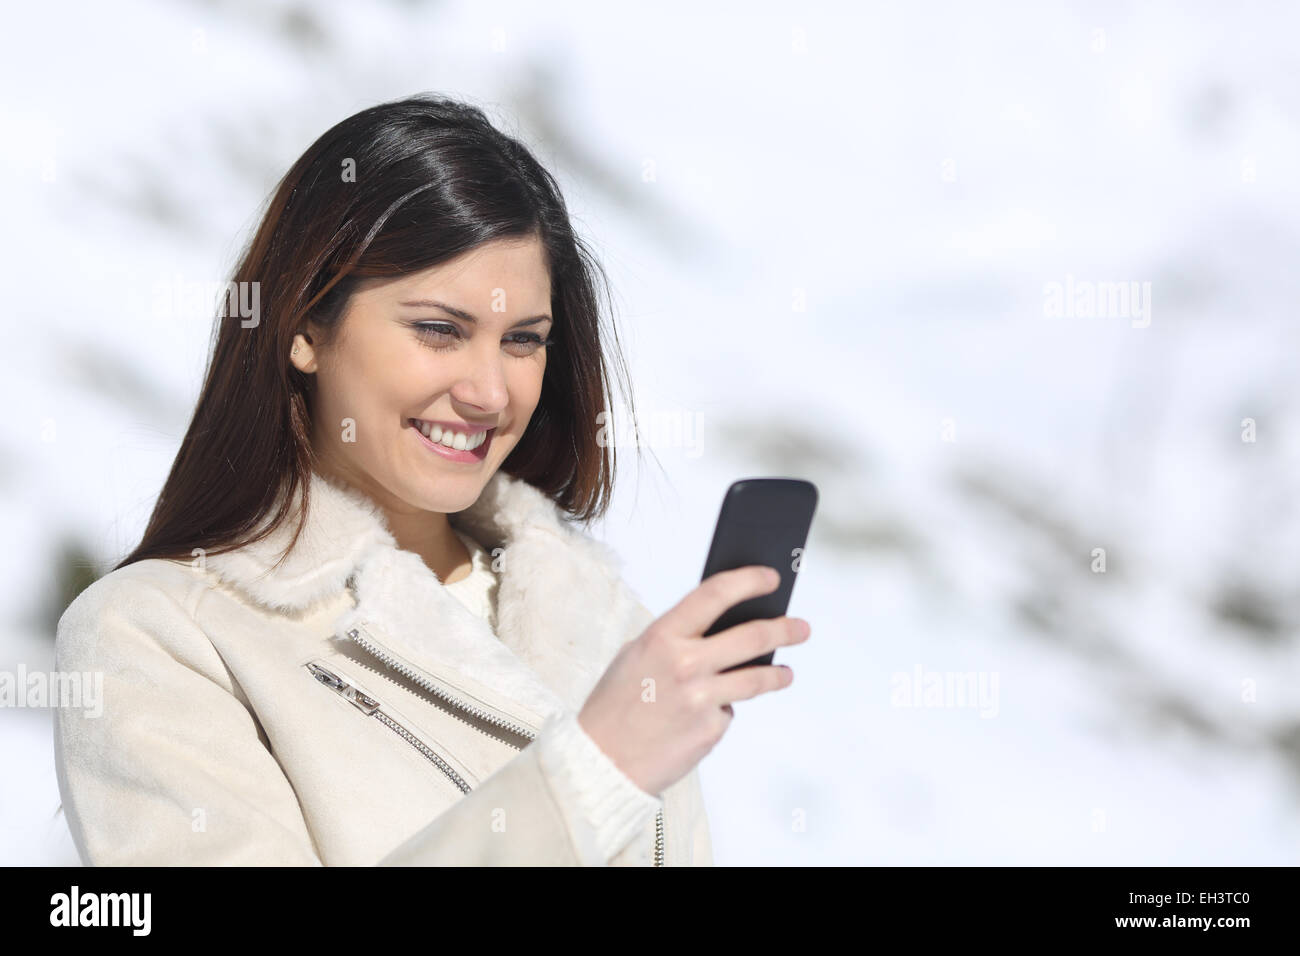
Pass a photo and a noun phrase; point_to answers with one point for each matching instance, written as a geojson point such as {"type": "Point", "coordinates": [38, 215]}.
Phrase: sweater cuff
{"type": "Point", "coordinates": [604, 809]}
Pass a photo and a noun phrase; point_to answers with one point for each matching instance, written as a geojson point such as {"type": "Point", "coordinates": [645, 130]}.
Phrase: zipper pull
{"type": "Point", "coordinates": [366, 704]}
{"type": "Point", "coordinates": [329, 678]}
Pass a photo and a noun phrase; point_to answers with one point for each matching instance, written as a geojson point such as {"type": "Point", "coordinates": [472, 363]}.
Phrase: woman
{"type": "Point", "coordinates": [362, 626]}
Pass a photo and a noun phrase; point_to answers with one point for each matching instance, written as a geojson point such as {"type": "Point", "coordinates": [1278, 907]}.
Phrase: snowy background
{"type": "Point", "coordinates": [830, 231]}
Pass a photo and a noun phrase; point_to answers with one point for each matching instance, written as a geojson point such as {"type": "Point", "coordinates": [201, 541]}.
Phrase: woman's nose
{"type": "Point", "coordinates": [482, 384]}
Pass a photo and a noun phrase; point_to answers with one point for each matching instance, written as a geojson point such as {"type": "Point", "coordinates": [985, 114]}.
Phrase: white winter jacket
{"type": "Point", "coordinates": [346, 709]}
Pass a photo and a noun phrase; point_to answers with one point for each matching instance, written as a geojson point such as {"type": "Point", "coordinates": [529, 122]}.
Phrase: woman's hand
{"type": "Point", "coordinates": [662, 703]}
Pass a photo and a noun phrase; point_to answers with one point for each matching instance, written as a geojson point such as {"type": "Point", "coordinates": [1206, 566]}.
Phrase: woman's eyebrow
{"type": "Point", "coordinates": [462, 314]}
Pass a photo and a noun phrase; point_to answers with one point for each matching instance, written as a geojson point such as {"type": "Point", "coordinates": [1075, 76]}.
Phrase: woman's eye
{"type": "Point", "coordinates": [442, 336]}
{"type": "Point", "coordinates": [528, 342]}
{"type": "Point", "coordinates": [435, 335]}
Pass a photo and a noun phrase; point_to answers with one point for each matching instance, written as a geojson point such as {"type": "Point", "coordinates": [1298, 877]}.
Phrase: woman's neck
{"type": "Point", "coordinates": [430, 535]}
{"type": "Point", "coordinates": [426, 533]}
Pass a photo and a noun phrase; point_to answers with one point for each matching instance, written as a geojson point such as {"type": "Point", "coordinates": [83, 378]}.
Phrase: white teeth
{"type": "Point", "coordinates": [457, 440]}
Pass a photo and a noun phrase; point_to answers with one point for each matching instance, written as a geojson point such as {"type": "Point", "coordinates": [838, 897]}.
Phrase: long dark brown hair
{"type": "Point", "coordinates": [431, 178]}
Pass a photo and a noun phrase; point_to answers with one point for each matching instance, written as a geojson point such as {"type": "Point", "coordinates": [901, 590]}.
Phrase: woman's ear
{"type": "Point", "coordinates": [303, 353]}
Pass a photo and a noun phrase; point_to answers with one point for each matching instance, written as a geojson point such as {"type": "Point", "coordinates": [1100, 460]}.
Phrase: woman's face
{"type": "Point", "coordinates": [400, 361]}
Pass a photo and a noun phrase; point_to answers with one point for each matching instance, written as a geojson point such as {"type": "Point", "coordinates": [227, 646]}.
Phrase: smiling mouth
{"type": "Point", "coordinates": [457, 446]}
{"type": "Point", "coordinates": [460, 441]}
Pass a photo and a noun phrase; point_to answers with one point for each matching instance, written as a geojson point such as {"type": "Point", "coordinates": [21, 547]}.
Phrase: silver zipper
{"type": "Point", "coordinates": [487, 716]}
{"type": "Point", "coordinates": [373, 708]}
{"type": "Point", "coordinates": [659, 838]}
{"type": "Point", "coordinates": [387, 676]}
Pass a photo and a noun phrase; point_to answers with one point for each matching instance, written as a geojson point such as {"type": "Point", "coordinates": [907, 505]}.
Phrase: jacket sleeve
{"type": "Point", "coordinates": [561, 802]}
{"type": "Point", "coordinates": [136, 767]}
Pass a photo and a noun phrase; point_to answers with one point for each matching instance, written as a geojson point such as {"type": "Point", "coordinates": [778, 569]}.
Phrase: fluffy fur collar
{"type": "Point", "coordinates": [562, 608]}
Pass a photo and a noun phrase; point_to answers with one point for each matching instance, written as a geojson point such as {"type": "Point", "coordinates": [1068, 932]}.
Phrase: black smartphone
{"type": "Point", "coordinates": [762, 521]}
